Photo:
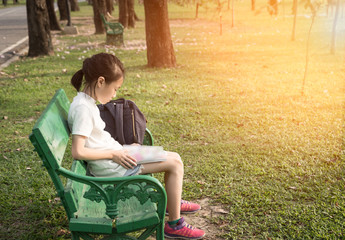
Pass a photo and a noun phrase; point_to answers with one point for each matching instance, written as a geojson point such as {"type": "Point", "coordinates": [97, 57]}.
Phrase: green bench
{"type": "Point", "coordinates": [114, 32]}
{"type": "Point", "coordinates": [112, 207]}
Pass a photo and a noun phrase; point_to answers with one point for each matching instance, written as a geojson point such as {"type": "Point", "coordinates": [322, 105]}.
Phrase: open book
{"type": "Point", "coordinates": [146, 154]}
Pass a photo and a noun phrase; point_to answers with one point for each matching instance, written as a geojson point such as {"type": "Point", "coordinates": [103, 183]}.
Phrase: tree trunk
{"type": "Point", "coordinates": [232, 14]}
{"type": "Point", "coordinates": [294, 10]}
{"type": "Point", "coordinates": [99, 7]}
{"type": "Point", "coordinates": [131, 14]}
{"type": "Point", "coordinates": [110, 6]}
{"type": "Point", "coordinates": [40, 42]}
{"type": "Point", "coordinates": [334, 27]}
{"type": "Point", "coordinates": [127, 15]}
{"type": "Point", "coordinates": [62, 9]}
{"type": "Point", "coordinates": [136, 17]}
{"type": "Point", "coordinates": [74, 5]}
{"type": "Point", "coordinates": [123, 13]}
{"type": "Point", "coordinates": [53, 22]}
{"type": "Point", "coordinates": [160, 50]}
{"type": "Point", "coordinates": [197, 10]}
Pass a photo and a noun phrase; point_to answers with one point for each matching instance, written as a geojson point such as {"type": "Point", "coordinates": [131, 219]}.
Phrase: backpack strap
{"type": "Point", "coordinates": [110, 107]}
{"type": "Point", "coordinates": [119, 121]}
{"type": "Point", "coordinates": [115, 108]}
{"type": "Point", "coordinates": [135, 134]}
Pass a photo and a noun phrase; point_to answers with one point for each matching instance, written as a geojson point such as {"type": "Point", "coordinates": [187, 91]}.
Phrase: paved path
{"type": "Point", "coordinates": [13, 32]}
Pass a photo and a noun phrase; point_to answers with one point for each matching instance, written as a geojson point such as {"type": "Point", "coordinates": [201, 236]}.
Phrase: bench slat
{"type": "Point", "coordinates": [92, 225]}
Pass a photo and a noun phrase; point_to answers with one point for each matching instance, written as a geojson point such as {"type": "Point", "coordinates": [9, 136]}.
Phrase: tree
{"type": "Point", "coordinates": [294, 10]}
{"type": "Point", "coordinates": [160, 50]}
{"type": "Point", "coordinates": [74, 5]}
{"type": "Point", "coordinates": [314, 7]}
{"type": "Point", "coordinates": [334, 27]}
{"type": "Point", "coordinates": [253, 5]}
{"type": "Point", "coordinates": [127, 16]}
{"type": "Point", "coordinates": [62, 9]}
{"type": "Point", "coordinates": [99, 7]}
{"type": "Point", "coordinates": [40, 42]}
{"type": "Point", "coordinates": [53, 22]}
{"type": "Point", "coordinates": [110, 6]}
{"type": "Point", "coordinates": [272, 7]}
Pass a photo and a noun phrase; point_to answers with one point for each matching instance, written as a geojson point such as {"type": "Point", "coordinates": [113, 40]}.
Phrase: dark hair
{"type": "Point", "coordinates": [101, 64]}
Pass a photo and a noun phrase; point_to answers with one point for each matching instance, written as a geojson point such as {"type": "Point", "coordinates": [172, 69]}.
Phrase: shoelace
{"type": "Point", "coordinates": [184, 201]}
{"type": "Point", "coordinates": [190, 226]}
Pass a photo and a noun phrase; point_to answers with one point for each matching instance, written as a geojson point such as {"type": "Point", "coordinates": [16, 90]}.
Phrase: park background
{"type": "Point", "coordinates": [267, 158]}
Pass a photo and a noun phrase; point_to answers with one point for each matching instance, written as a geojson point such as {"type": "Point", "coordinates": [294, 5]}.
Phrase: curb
{"type": "Point", "coordinates": [13, 52]}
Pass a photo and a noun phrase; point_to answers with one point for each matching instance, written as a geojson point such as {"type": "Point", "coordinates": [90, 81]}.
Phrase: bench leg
{"type": "Point", "coordinates": [160, 232]}
{"type": "Point", "coordinates": [115, 39]}
{"type": "Point", "coordinates": [75, 236]}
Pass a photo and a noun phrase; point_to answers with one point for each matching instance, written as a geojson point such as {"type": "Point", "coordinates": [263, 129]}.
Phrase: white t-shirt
{"type": "Point", "coordinates": [84, 119]}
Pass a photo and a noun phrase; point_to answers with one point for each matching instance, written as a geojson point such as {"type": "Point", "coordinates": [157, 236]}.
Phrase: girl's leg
{"type": "Point", "coordinates": [173, 168]}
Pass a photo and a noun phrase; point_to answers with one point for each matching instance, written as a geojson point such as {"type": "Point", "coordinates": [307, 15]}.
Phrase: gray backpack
{"type": "Point", "coordinates": [124, 121]}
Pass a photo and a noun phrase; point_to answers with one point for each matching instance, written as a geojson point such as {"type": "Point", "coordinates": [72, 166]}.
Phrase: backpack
{"type": "Point", "coordinates": [124, 121]}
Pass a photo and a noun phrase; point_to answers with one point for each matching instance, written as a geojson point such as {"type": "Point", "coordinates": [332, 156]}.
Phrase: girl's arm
{"type": "Point", "coordinates": [79, 151]}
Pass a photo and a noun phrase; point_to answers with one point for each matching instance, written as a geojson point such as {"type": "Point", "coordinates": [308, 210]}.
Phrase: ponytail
{"type": "Point", "coordinates": [77, 79]}
{"type": "Point", "coordinates": [102, 64]}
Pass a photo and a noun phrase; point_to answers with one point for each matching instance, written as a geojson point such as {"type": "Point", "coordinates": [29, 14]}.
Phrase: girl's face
{"type": "Point", "coordinates": [106, 92]}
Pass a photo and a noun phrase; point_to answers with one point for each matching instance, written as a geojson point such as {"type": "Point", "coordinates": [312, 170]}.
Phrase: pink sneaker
{"type": "Point", "coordinates": [182, 230]}
{"type": "Point", "coordinates": [187, 207]}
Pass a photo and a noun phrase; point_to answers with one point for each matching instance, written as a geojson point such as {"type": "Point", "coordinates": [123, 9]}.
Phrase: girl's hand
{"type": "Point", "coordinates": [124, 159]}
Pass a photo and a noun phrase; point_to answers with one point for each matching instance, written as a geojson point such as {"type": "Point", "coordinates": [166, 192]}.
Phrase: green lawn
{"type": "Point", "coordinates": [232, 108]}
{"type": "Point", "coordinates": [11, 4]}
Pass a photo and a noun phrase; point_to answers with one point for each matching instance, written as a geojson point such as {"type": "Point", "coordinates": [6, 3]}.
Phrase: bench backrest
{"type": "Point", "coordinates": [115, 27]}
{"type": "Point", "coordinates": [50, 136]}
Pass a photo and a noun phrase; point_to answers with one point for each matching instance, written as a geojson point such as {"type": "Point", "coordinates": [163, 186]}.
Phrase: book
{"type": "Point", "coordinates": [146, 154]}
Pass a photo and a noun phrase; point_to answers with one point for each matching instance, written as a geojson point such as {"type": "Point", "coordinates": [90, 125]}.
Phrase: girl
{"type": "Point", "coordinates": [100, 78]}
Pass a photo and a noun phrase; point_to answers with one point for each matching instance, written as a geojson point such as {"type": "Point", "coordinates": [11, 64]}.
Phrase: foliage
{"type": "Point", "coordinates": [232, 108]}
{"type": "Point", "coordinates": [313, 5]}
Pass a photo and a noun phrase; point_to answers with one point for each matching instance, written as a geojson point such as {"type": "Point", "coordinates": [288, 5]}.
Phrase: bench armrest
{"type": "Point", "coordinates": [101, 180]}
{"type": "Point", "coordinates": [110, 190]}
{"type": "Point", "coordinates": [117, 28]}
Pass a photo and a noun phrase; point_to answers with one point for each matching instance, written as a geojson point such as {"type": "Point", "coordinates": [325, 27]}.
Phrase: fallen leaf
{"type": "Point", "coordinates": [222, 211]}
{"type": "Point", "coordinates": [61, 232]}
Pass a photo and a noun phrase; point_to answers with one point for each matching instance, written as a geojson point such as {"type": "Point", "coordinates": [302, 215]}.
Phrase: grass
{"type": "Point", "coordinates": [232, 108]}
{"type": "Point", "coordinates": [11, 4]}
